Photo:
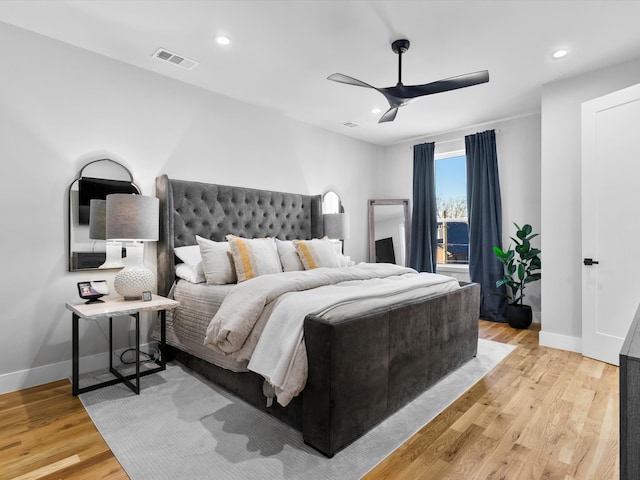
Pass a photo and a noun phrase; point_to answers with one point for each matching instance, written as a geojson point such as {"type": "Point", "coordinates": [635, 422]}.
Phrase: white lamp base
{"type": "Point", "coordinates": [114, 255]}
{"type": "Point", "coordinates": [134, 278]}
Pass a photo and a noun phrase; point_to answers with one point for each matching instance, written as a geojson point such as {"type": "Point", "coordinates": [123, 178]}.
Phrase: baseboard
{"type": "Point", "coordinates": [31, 377]}
{"type": "Point", "coordinates": [563, 342]}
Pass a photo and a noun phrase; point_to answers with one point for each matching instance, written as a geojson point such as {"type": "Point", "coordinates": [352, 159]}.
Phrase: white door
{"type": "Point", "coordinates": [610, 221]}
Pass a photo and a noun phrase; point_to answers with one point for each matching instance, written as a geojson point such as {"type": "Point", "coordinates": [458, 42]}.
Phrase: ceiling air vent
{"type": "Point", "coordinates": [349, 124]}
{"type": "Point", "coordinates": [179, 60]}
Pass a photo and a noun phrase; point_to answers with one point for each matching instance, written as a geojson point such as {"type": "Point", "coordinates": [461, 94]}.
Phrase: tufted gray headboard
{"type": "Point", "coordinates": [212, 211]}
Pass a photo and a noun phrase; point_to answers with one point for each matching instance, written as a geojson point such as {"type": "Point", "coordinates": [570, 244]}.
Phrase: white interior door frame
{"type": "Point", "coordinates": [610, 209]}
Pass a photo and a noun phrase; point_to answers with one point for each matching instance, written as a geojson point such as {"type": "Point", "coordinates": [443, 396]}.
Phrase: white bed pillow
{"type": "Point", "coordinates": [217, 262]}
{"type": "Point", "coordinates": [190, 274]}
{"type": "Point", "coordinates": [318, 253]}
{"type": "Point", "coordinates": [191, 267]}
{"type": "Point", "coordinates": [254, 257]}
{"type": "Point", "coordinates": [189, 254]}
{"type": "Point", "coordinates": [344, 260]}
{"type": "Point", "coordinates": [288, 256]}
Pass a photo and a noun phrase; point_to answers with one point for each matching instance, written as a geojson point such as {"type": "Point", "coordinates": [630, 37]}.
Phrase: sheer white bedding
{"type": "Point", "coordinates": [261, 320]}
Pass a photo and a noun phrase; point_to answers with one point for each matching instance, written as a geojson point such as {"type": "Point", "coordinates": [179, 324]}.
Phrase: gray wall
{"type": "Point", "coordinates": [518, 146]}
{"type": "Point", "coordinates": [561, 197]}
{"type": "Point", "coordinates": [60, 107]}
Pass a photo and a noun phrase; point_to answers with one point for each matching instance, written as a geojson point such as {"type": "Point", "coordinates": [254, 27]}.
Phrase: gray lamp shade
{"type": "Point", "coordinates": [336, 225]}
{"type": "Point", "coordinates": [98, 219]}
{"type": "Point", "coordinates": [132, 217]}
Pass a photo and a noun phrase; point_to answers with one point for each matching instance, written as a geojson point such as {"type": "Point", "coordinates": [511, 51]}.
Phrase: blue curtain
{"type": "Point", "coordinates": [484, 207]}
{"type": "Point", "coordinates": [424, 219]}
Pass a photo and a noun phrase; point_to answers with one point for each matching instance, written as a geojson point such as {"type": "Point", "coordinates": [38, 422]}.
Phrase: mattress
{"type": "Point", "coordinates": [187, 324]}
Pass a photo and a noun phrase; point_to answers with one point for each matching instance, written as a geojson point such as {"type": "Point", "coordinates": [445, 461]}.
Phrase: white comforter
{"type": "Point", "coordinates": [262, 319]}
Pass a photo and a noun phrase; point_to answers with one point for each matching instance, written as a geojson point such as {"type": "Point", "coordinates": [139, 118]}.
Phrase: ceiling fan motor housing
{"type": "Point", "coordinates": [400, 46]}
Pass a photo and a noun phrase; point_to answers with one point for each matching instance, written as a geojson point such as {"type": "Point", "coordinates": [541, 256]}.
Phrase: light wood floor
{"type": "Point", "coordinates": [541, 414]}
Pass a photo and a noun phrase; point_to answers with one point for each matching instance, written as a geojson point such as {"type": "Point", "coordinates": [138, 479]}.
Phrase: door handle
{"type": "Point", "coordinates": [590, 261]}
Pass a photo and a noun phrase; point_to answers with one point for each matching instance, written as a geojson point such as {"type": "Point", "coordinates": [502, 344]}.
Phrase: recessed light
{"type": "Point", "coordinates": [375, 111]}
{"type": "Point", "coordinates": [223, 40]}
{"type": "Point", "coordinates": [559, 53]}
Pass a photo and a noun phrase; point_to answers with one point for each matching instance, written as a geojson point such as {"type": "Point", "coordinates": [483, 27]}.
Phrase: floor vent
{"type": "Point", "coordinates": [179, 60]}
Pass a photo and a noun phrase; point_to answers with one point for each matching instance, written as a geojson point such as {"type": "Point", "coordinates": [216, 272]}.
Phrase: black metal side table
{"type": "Point", "coordinates": [113, 307]}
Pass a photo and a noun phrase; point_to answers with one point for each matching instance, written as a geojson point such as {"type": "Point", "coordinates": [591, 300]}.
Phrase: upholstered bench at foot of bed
{"type": "Point", "coordinates": [361, 370]}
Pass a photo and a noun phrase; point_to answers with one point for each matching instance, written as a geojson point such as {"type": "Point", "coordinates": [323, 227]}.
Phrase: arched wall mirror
{"type": "Point", "coordinates": [335, 220]}
{"type": "Point", "coordinates": [331, 202]}
{"type": "Point", "coordinates": [389, 231]}
{"type": "Point", "coordinates": [97, 179]}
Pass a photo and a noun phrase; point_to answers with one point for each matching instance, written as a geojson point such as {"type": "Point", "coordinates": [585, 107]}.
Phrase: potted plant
{"type": "Point", "coordinates": [522, 265]}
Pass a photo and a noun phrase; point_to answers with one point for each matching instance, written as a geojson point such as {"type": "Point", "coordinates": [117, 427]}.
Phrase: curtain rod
{"type": "Point", "coordinates": [497, 130]}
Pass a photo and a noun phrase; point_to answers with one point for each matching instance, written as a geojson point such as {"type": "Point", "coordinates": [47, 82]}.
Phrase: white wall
{"type": "Point", "coordinates": [561, 197]}
{"type": "Point", "coordinates": [60, 107]}
{"type": "Point", "coordinates": [518, 148]}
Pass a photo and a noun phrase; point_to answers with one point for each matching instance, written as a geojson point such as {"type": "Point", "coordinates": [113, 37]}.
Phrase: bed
{"type": "Point", "coordinates": [361, 366]}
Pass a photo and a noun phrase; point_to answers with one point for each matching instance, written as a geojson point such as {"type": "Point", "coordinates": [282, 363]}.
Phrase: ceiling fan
{"type": "Point", "coordinates": [402, 94]}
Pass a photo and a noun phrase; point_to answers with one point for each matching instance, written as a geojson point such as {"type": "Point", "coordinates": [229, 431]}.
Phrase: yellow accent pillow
{"type": "Point", "coordinates": [254, 257]}
{"type": "Point", "coordinates": [317, 253]}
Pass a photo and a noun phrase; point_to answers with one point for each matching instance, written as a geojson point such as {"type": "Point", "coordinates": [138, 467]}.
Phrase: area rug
{"type": "Point", "coordinates": [182, 426]}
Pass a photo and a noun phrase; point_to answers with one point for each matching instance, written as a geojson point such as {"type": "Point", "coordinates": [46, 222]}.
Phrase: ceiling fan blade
{"type": "Point", "coordinates": [389, 115]}
{"type": "Point", "coordinates": [338, 77]}
{"type": "Point", "coordinates": [453, 83]}
{"type": "Point", "coordinates": [401, 94]}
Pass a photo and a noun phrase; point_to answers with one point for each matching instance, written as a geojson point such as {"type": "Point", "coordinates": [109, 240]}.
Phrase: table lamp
{"type": "Point", "coordinates": [98, 231]}
{"type": "Point", "coordinates": [134, 219]}
{"type": "Point", "coordinates": [336, 226]}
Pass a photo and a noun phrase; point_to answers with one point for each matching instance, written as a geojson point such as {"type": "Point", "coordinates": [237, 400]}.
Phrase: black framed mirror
{"type": "Point", "coordinates": [86, 247]}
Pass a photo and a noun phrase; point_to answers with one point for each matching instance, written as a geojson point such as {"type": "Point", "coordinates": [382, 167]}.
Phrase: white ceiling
{"type": "Point", "coordinates": [282, 51]}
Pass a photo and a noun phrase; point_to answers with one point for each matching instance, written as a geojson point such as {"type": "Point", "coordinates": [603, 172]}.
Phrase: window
{"type": "Point", "coordinates": [451, 199]}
